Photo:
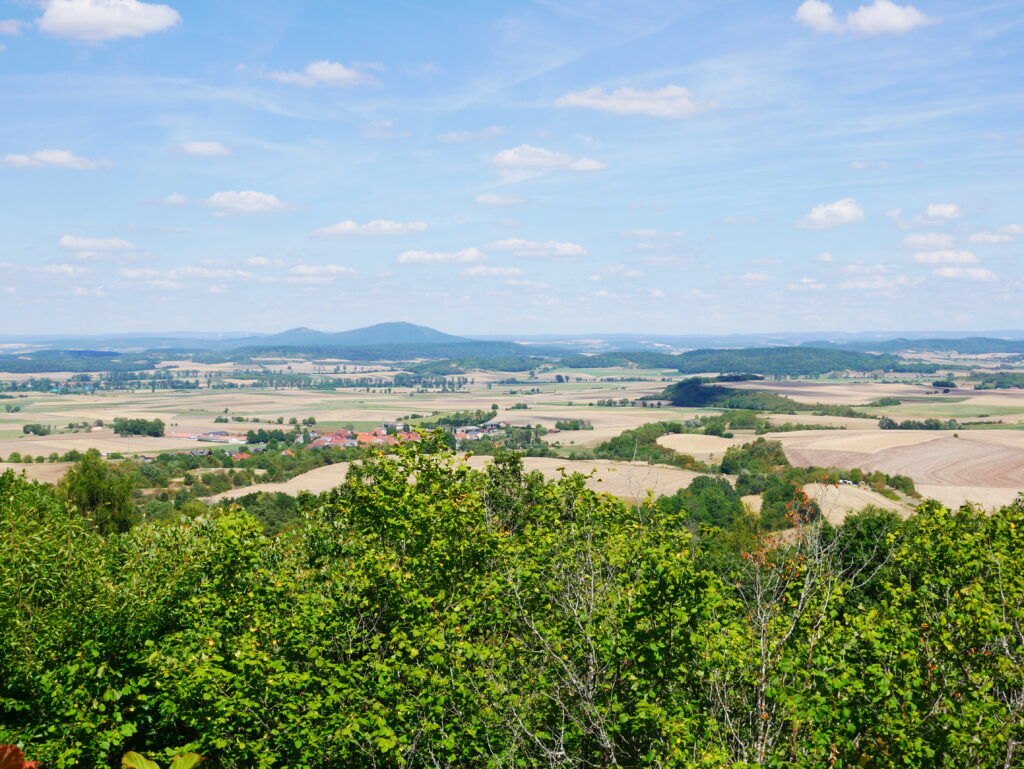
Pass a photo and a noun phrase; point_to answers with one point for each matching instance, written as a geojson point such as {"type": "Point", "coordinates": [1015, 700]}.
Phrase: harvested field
{"type": "Point", "coordinates": [105, 442]}
{"type": "Point", "coordinates": [622, 479]}
{"type": "Point", "coordinates": [954, 496]}
{"type": "Point", "coordinates": [836, 502]}
{"type": "Point", "coordinates": [976, 465]}
{"type": "Point", "coordinates": [48, 472]}
{"type": "Point", "coordinates": [316, 481]}
{"type": "Point", "coordinates": [840, 393]}
{"type": "Point", "coordinates": [707, 448]}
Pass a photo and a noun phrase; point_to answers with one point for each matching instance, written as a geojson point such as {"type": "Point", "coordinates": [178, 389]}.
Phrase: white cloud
{"type": "Point", "coordinates": [492, 272]}
{"type": "Point", "coordinates": [11, 27]}
{"type": "Point", "coordinates": [976, 274]}
{"type": "Point", "coordinates": [824, 216]}
{"type": "Point", "coordinates": [67, 270]}
{"type": "Point", "coordinates": [928, 240]}
{"type": "Point", "coordinates": [941, 212]}
{"type": "Point", "coordinates": [53, 159]}
{"type": "Point", "coordinates": [376, 227]}
{"type": "Point", "coordinates": [324, 269]}
{"type": "Point", "coordinates": [180, 273]}
{"type": "Point", "coordinates": [1012, 229]}
{"type": "Point", "coordinates": [806, 284]}
{"type": "Point", "coordinates": [818, 16]}
{"type": "Point", "coordinates": [882, 17]}
{"type": "Point", "coordinates": [991, 237]}
{"type": "Point", "coordinates": [95, 244]}
{"type": "Point", "coordinates": [209, 149]}
{"type": "Point", "coordinates": [945, 257]}
{"type": "Point", "coordinates": [534, 249]}
{"type": "Point", "coordinates": [470, 136]}
{"type": "Point", "coordinates": [526, 161]}
{"type": "Point", "coordinates": [671, 101]}
{"type": "Point", "coordinates": [442, 257]}
{"type": "Point", "coordinates": [264, 261]}
{"type": "Point", "coordinates": [757, 277]}
{"type": "Point", "coordinates": [245, 202]}
{"type": "Point", "coordinates": [490, 199]}
{"type": "Point", "coordinates": [878, 284]}
{"type": "Point", "coordinates": [207, 272]}
{"type": "Point", "coordinates": [174, 199]}
{"type": "Point", "coordinates": [825, 256]}
{"type": "Point", "coordinates": [865, 269]}
{"type": "Point", "coordinates": [327, 73]}
{"type": "Point", "coordinates": [95, 21]}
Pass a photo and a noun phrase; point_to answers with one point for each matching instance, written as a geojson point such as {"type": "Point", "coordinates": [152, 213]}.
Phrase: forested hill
{"type": "Point", "coordinates": [789, 361]}
{"type": "Point", "coordinates": [771, 361]}
{"type": "Point", "coordinates": [974, 345]}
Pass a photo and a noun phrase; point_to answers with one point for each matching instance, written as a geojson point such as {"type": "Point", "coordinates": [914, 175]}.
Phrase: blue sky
{"type": "Point", "coordinates": [512, 167]}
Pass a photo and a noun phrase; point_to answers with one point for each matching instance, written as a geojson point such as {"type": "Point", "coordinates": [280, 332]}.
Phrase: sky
{"type": "Point", "coordinates": [511, 166]}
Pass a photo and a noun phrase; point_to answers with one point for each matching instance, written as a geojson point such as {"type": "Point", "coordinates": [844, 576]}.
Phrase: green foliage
{"type": "Point", "coordinates": [1001, 380]}
{"type": "Point", "coordinates": [100, 493]}
{"type": "Point", "coordinates": [425, 614]}
{"type": "Point", "coordinates": [36, 429]}
{"type": "Point", "coordinates": [883, 402]}
{"type": "Point", "coordinates": [641, 444]}
{"type": "Point", "coordinates": [787, 361]}
{"type": "Point", "coordinates": [573, 424]}
{"type": "Point", "coordinates": [887, 423]}
{"type": "Point", "coordinates": [460, 418]}
{"type": "Point", "coordinates": [759, 456]}
{"type": "Point", "coordinates": [150, 427]}
{"type": "Point", "coordinates": [696, 392]}
{"type": "Point", "coordinates": [133, 760]}
{"type": "Point", "coordinates": [707, 500]}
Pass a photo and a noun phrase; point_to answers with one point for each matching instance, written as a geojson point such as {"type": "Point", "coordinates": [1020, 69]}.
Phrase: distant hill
{"type": "Point", "coordinates": [457, 351]}
{"type": "Point", "coordinates": [378, 334]}
{"type": "Point", "coordinates": [972, 345]}
{"type": "Point", "coordinates": [790, 361]}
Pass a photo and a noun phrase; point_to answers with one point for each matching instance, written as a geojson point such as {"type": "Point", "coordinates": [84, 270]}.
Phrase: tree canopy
{"type": "Point", "coordinates": [424, 614]}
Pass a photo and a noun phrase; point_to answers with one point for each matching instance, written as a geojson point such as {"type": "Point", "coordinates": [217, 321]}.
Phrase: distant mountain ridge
{"type": "Point", "coordinates": [368, 336]}
{"type": "Point", "coordinates": [972, 345]}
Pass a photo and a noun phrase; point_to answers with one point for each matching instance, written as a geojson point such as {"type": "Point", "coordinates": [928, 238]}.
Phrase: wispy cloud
{"type": "Point", "coordinates": [53, 159]}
